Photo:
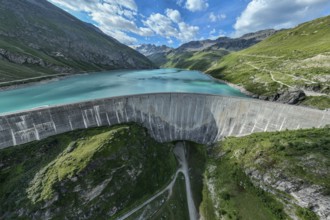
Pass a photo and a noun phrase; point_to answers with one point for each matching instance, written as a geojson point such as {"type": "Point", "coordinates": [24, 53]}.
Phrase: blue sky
{"type": "Point", "coordinates": [173, 22]}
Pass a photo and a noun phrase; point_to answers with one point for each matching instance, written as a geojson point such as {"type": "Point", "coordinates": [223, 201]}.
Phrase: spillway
{"type": "Point", "coordinates": [201, 118]}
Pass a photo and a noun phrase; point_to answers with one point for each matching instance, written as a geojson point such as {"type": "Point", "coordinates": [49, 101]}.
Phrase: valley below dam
{"type": "Point", "coordinates": [180, 151]}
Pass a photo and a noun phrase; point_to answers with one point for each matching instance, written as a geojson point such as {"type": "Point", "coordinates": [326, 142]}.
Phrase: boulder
{"type": "Point", "coordinates": [290, 96]}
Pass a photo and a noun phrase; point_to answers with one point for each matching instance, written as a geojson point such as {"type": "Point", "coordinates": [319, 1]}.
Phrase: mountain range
{"type": "Point", "coordinates": [149, 49]}
{"type": "Point", "coordinates": [289, 65]}
{"type": "Point", "coordinates": [200, 54]}
{"type": "Point", "coordinates": [292, 61]}
{"type": "Point", "coordinates": [227, 43]}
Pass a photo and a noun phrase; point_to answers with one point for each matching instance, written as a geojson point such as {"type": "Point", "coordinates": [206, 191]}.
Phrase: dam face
{"type": "Point", "coordinates": [201, 118]}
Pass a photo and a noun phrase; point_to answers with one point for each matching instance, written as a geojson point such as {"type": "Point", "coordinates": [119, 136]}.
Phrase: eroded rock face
{"type": "Point", "coordinates": [23, 59]}
{"type": "Point", "coordinates": [149, 49]}
{"type": "Point", "coordinates": [304, 194]}
{"type": "Point", "coordinates": [290, 96]}
{"type": "Point", "coordinates": [20, 58]}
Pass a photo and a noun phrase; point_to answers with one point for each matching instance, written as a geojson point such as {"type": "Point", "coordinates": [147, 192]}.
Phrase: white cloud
{"type": "Point", "coordinates": [117, 18]}
{"type": "Point", "coordinates": [180, 2]}
{"type": "Point", "coordinates": [263, 14]}
{"type": "Point", "coordinates": [222, 33]}
{"type": "Point", "coordinates": [187, 32]}
{"type": "Point", "coordinates": [174, 15]}
{"type": "Point", "coordinates": [161, 25]}
{"type": "Point", "coordinates": [215, 35]}
{"type": "Point", "coordinates": [196, 5]}
{"type": "Point", "coordinates": [212, 34]}
{"type": "Point", "coordinates": [121, 36]}
{"type": "Point", "coordinates": [170, 41]}
{"type": "Point", "coordinates": [213, 17]}
{"type": "Point", "coordinates": [171, 26]}
{"type": "Point", "coordinates": [114, 17]}
{"type": "Point", "coordinates": [212, 31]}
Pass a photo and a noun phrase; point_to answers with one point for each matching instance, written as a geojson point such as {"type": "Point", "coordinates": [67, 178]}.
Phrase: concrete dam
{"type": "Point", "coordinates": [202, 118]}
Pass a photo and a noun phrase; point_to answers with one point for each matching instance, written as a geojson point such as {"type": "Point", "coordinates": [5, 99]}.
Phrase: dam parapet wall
{"type": "Point", "coordinates": [201, 118]}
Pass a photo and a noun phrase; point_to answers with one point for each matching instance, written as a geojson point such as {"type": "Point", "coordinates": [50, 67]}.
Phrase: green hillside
{"type": "Point", "coordinates": [38, 39]}
{"type": "Point", "coordinates": [280, 162]}
{"type": "Point", "coordinates": [297, 58]}
{"type": "Point", "coordinates": [107, 172]}
{"type": "Point", "coordinates": [95, 172]}
{"type": "Point", "coordinates": [201, 55]}
{"type": "Point", "coordinates": [201, 60]}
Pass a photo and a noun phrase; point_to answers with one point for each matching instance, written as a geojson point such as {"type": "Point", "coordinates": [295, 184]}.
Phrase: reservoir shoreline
{"type": "Point", "coordinates": [100, 85]}
{"type": "Point", "coordinates": [240, 88]}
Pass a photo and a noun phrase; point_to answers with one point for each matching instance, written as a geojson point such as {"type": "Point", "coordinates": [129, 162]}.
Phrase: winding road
{"type": "Point", "coordinates": [180, 153]}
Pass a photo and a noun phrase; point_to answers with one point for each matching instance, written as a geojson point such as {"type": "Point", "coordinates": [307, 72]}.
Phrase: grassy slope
{"type": "Point", "coordinates": [298, 58]}
{"type": "Point", "coordinates": [321, 102]}
{"type": "Point", "coordinates": [176, 206]}
{"type": "Point", "coordinates": [61, 173]}
{"type": "Point", "coordinates": [171, 207]}
{"type": "Point", "coordinates": [50, 28]}
{"type": "Point", "coordinates": [229, 193]}
{"type": "Point", "coordinates": [302, 154]}
{"type": "Point", "coordinates": [202, 60]}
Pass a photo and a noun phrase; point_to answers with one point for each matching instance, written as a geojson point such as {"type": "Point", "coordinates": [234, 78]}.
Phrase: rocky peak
{"type": "Point", "coordinates": [149, 49]}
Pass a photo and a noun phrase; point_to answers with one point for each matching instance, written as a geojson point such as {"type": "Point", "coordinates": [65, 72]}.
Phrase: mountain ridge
{"type": "Point", "coordinates": [199, 55]}
{"type": "Point", "coordinates": [149, 49]}
{"type": "Point", "coordinates": [294, 60]}
{"type": "Point", "coordinates": [232, 44]}
{"type": "Point", "coordinates": [38, 38]}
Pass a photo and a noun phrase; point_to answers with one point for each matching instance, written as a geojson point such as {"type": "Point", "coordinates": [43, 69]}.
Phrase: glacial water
{"type": "Point", "coordinates": [91, 86]}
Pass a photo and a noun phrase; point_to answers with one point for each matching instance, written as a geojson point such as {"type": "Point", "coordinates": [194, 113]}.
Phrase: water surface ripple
{"type": "Point", "coordinates": [91, 86]}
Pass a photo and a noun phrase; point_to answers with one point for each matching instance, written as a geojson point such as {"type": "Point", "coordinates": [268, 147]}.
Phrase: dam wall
{"type": "Point", "coordinates": [201, 118]}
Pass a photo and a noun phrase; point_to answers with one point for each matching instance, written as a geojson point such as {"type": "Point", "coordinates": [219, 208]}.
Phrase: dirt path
{"type": "Point", "coordinates": [179, 152]}
{"type": "Point", "coordinates": [270, 73]}
{"type": "Point", "coordinates": [169, 188]}
{"type": "Point", "coordinates": [261, 56]}
{"type": "Point", "coordinates": [307, 92]}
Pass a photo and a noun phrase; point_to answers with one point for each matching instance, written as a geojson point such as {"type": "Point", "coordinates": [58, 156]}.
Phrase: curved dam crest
{"type": "Point", "coordinates": [201, 118]}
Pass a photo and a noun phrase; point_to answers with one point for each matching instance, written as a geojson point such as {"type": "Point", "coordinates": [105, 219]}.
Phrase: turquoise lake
{"type": "Point", "coordinates": [78, 88]}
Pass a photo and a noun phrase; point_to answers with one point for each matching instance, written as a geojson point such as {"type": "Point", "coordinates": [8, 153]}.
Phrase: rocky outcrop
{"type": "Point", "coordinates": [259, 35]}
{"type": "Point", "coordinates": [288, 96]}
{"type": "Point", "coordinates": [302, 193]}
{"type": "Point", "coordinates": [24, 59]}
{"type": "Point", "coordinates": [150, 49]}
